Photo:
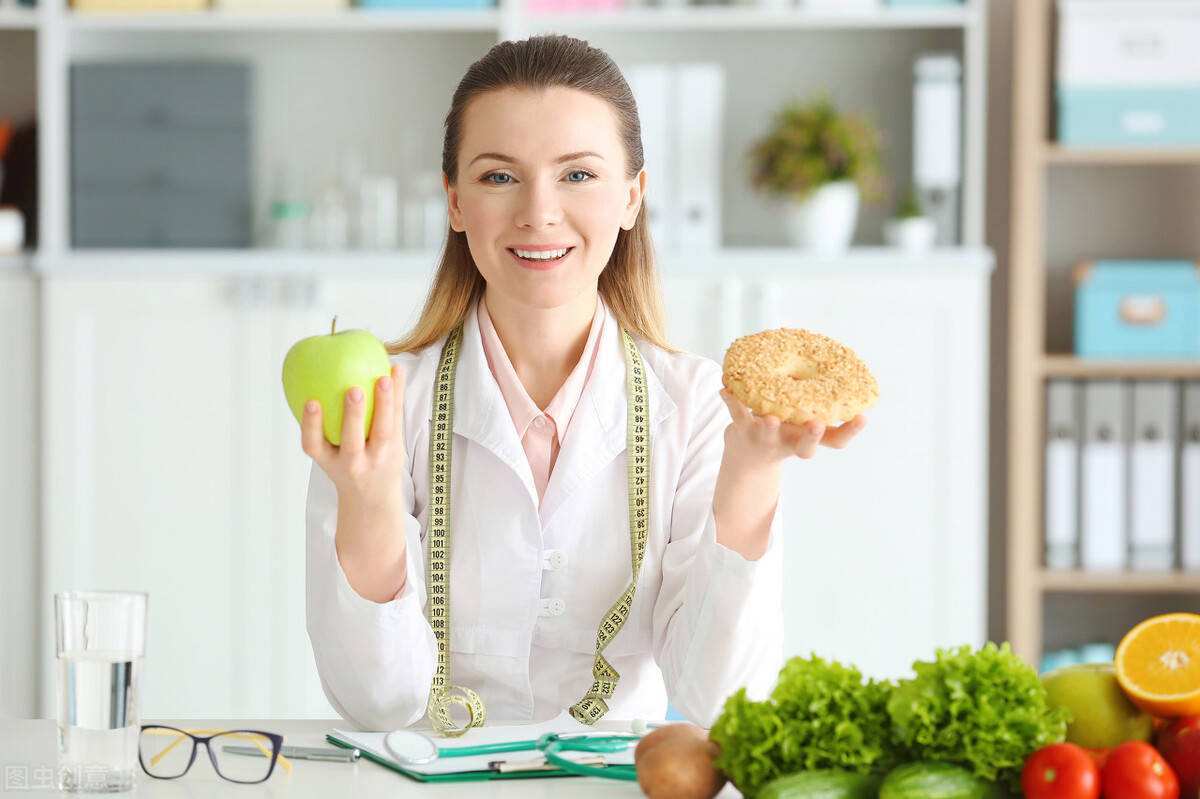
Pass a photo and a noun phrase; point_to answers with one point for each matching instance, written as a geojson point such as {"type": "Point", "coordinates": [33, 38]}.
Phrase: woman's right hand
{"type": "Point", "coordinates": [366, 473]}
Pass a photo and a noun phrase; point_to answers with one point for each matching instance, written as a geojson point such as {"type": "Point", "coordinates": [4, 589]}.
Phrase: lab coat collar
{"type": "Point", "coordinates": [595, 435]}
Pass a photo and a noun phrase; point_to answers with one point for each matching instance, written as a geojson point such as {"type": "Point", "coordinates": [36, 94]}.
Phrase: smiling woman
{"type": "Point", "coordinates": [542, 468]}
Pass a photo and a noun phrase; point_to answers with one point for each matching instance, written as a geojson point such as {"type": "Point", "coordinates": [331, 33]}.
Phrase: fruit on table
{"type": "Point", "coordinates": [1102, 715]}
{"type": "Point", "coordinates": [1179, 744]}
{"type": "Point", "coordinates": [822, 784]}
{"type": "Point", "coordinates": [676, 762]}
{"type": "Point", "coordinates": [1158, 665]}
{"type": "Point", "coordinates": [934, 780]}
{"type": "Point", "coordinates": [1135, 770]}
{"type": "Point", "coordinates": [324, 367]}
{"type": "Point", "coordinates": [1061, 771]}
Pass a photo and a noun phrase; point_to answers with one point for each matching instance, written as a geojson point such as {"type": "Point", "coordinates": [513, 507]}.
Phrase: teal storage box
{"type": "Point", "coordinates": [1137, 309]}
{"type": "Point", "coordinates": [1128, 116]}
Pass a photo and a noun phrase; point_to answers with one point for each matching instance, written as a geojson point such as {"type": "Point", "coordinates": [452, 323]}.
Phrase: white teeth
{"type": "Point", "coordinates": [543, 255]}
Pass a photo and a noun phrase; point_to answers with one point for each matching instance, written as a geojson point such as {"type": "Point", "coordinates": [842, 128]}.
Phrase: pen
{"type": "Point", "coordinates": [301, 752]}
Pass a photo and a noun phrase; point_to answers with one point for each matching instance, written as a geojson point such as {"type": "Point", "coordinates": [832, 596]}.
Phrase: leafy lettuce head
{"type": "Point", "coordinates": [986, 710]}
{"type": "Point", "coordinates": [820, 715]}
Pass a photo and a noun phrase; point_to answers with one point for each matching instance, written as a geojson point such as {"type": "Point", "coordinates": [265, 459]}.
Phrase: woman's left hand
{"type": "Point", "coordinates": [769, 440]}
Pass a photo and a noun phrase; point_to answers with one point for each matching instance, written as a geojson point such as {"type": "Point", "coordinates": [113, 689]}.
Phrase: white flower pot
{"type": "Point", "coordinates": [825, 221]}
{"type": "Point", "coordinates": [913, 234]}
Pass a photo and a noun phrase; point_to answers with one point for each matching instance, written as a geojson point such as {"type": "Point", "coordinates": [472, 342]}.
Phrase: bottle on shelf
{"type": "Point", "coordinates": [329, 224]}
{"type": "Point", "coordinates": [937, 139]}
{"type": "Point", "coordinates": [425, 221]}
{"type": "Point", "coordinates": [378, 212]}
{"type": "Point", "coordinates": [287, 214]}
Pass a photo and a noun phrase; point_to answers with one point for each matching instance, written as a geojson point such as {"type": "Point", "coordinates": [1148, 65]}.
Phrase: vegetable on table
{"type": "Point", "coordinates": [676, 762]}
{"type": "Point", "coordinates": [1061, 771]}
{"type": "Point", "coordinates": [1135, 770]}
{"type": "Point", "coordinates": [985, 710]}
{"type": "Point", "coordinates": [822, 784]}
{"type": "Point", "coordinates": [1179, 744]}
{"type": "Point", "coordinates": [934, 780]}
{"type": "Point", "coordinates": [820, 715]}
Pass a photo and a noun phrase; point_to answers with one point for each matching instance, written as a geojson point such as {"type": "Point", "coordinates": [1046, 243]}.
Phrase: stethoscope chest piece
{"type": "Point", "coordinates": [410, 748]}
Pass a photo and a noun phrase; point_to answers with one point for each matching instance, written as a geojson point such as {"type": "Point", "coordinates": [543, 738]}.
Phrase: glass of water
{"type": "Point", "coordinates": [100, 643]}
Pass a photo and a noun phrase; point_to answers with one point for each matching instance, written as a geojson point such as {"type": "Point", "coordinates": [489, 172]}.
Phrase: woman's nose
{"type": "Point", "coordinates": [539, 204]}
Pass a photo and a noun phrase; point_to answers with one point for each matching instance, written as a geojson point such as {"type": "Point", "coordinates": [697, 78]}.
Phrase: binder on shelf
{"type": "Point", "coordinates": [652, 91]}
{"type": "Point", "coordinates": [1189, 474]}
{"type": "Point", "coordinates": [1063, 431]}
{"type": "Point", "coordinates": [1103, 476]}
{"type": "Point", "coordinates": [1152, 476]}
{"type": "Point", "coordinates": [699, 111]}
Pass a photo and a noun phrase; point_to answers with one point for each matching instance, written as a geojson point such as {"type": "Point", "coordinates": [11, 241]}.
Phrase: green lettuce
{"type": "Point", "coordinates": [820, 715]}
{"type": "Point", "coordinates": [986, 710]}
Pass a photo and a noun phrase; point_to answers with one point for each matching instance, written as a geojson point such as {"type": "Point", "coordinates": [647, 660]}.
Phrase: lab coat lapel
{"type": "Point", "coordinates": [479, 410]}
{"type": "Point", "coordinates": [596, 433]}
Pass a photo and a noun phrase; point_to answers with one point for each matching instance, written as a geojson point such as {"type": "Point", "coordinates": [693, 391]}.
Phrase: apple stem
{"type": "Point", "coordinates": [333, 326]}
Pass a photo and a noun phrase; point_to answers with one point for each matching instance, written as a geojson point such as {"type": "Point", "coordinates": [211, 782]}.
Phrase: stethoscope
{"type": "Point", "coordinates": [413, 748]}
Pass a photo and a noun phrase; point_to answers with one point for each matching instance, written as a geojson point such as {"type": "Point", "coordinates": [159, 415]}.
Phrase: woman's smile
{"type": "Point", "coordinates": [541, 264]}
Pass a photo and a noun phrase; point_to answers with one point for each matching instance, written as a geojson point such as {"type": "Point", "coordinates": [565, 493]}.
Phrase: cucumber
{"type": "Point", "coordinates": [822, 784]}
{"type": "Point", "coordinates": [934, 780]}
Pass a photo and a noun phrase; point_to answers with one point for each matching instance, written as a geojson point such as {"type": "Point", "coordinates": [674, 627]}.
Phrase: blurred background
{"type": "Point", "coordinates": [993, 203]}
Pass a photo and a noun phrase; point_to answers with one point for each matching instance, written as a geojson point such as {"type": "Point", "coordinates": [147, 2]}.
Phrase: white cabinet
{"type": "Point", "coordinates": [173, 466]}
{"type": "Point", "coordinates": [18, 490]}
{"type": "Point", "coordinates": [885, 542]}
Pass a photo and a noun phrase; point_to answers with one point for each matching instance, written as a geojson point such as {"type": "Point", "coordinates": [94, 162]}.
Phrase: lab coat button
{"type": "Point", "coordinates": [552, 607]}
{"type": "Point", "coordinates": [554, 559]}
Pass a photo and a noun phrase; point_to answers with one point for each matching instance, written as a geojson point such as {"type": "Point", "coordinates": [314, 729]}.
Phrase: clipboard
{"type": "Point", "coordinates": [478, 767]}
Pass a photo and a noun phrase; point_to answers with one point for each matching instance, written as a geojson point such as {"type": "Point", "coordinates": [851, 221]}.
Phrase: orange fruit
{"type": "Point", "coordinates": [1158, 665]}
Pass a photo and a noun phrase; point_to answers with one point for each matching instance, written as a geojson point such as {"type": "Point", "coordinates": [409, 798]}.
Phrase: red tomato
{"type": "Point", "coordinates": [1180, 746]}
{"type": "Point", "coordinates": [1061, 771]}
{"type": "Point", "coordinates": [1135, 770]}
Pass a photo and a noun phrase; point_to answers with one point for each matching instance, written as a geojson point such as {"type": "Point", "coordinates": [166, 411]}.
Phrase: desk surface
{"type": "Point", "coordinates": [29, 747]}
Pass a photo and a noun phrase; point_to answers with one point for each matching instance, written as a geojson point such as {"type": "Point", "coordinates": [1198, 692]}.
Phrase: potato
{"type": "Point", "coordinates": [678, 765]}
{"type": "Point", "coordinates": [667, 733]}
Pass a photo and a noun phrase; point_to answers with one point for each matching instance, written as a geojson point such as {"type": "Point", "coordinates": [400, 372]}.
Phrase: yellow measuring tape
{"type": "Point", "coordinates": [442, 694]}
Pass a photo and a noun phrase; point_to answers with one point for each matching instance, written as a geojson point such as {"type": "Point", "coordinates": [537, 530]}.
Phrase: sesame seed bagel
{"type": "Point", "coordinates": [799, 375]}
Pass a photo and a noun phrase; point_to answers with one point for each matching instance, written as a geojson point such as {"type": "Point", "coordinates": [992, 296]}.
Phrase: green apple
{"type": "Point", "coordinates": [1103, 715]}
{"type": "Point", "coordinates": [325, 367]}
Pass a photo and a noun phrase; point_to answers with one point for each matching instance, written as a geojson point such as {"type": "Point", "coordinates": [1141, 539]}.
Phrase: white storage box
{"type": "Point", "coordinates": [1111, 43]}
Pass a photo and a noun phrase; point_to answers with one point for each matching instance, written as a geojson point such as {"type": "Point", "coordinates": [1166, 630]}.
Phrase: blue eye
{"type": "Point", "coordinates": [488, 177]}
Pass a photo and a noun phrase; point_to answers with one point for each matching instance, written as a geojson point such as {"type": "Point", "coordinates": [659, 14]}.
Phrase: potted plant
{"type": "Point", "coordinates": [910, 229]}
{"type": "Point", "coordinates": [821, 163]}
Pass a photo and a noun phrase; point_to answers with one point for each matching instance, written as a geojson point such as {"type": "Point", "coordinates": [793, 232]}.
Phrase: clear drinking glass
{"type": "Point", "coordinates": [100, 643]}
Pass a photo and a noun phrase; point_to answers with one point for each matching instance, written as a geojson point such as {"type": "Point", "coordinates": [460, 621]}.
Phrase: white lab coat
{"type": "Point", "coordinates": [529, 584]}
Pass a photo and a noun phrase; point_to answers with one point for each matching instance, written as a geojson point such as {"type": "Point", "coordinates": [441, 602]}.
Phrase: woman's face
{"type": "Point", "coordinates": [541, 170]}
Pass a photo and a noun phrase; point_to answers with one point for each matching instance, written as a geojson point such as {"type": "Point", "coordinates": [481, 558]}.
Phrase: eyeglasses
{"type": "Point", "coordinates": [168, 752]}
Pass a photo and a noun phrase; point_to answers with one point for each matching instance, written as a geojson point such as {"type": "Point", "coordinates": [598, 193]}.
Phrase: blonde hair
{"type": "Point", "coordinates": [629, 282]}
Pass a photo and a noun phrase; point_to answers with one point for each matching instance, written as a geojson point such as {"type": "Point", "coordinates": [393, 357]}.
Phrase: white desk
{"type": "Point", "coordinates": [31, 744]}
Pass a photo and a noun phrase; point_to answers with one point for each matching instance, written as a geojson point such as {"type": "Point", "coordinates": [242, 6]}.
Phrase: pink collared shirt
{"type": "Point", "coordinates": [541, 433]}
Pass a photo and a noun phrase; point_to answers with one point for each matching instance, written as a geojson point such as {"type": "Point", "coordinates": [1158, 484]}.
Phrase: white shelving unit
{"type": "Point", "coordinates": [721, 33]}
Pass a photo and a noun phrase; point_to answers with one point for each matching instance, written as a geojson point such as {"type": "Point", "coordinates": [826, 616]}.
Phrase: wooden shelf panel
{"type": "Point", "coordinates": [1120, 582]}
{"type": "Point", "coordinates": [1057, 154]}
{"type": "Point", "coordinates": [1072, 366]}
